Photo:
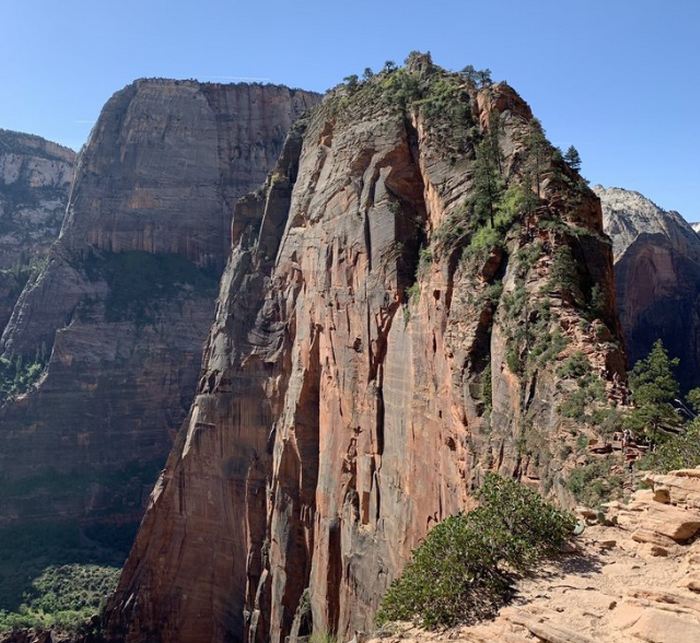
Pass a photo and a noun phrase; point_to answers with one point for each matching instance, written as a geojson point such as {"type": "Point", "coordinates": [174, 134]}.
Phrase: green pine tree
{"type": "Point", "coordinates": [352, 82]}
{"type": "Point", "coordinates": [573, 159]}
{"type": "Point", "coordinates": [488, 184]}
{"type": "Point", "coordinates": [654, 391]}
{"type": "Point", "coordinates": [484, 77]}
{"type": "Point", "coordinates": [537, 148]}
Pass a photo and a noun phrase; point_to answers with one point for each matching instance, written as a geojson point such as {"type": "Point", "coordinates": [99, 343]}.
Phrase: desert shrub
{"type": "Point", "coordinates": [681, 451]}
{"type": "Point", "coordinates": [575, 366]}
{"type": "Point", "coordinates": [593, 483]}
{"type": "Point", "coordinates": [563, 277]}
{"type": "Point", "coordinates": [590, 388]}
{"type": "Point", "coordinates": [527, 257]}
{"type": "Point", "coordinates": [464, 568]}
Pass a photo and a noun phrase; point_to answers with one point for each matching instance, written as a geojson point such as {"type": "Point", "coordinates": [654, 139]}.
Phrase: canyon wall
{"type": "Point", "coordinates": [35, 180]}
{"type": "Point", "coordinates": [377, 347]}
{"type": "Point", "coordinates": [657, 277]}
{"type": "Point", "coordinates": [119, 314]}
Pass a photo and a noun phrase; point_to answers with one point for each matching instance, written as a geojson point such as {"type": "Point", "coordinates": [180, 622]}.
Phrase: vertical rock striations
{"type": "Point", "coordinates": [121, 311]}
{"type": "Point", "coordinates": [657, 277]}
{"type": "Point", "coordinates": [35, 178]}
{"type": "Point", "coordinates": [377, 346]}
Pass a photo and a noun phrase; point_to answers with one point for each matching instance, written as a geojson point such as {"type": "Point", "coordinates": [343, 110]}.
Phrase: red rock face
{"type": "Point", "coordinates": [127, 297]}
{"type": "Point", "coordinates": [344, 406]}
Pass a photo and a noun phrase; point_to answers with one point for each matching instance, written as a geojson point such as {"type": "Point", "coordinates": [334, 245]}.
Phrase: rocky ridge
{"type": "Point", "coordinates": [657, 277]}
{"type": "Point", "coordinates": [634, 576]}
{"type": "Point", "coordinates": [374, 352]}
{"type": "Point", "coordinates": [125, 301]}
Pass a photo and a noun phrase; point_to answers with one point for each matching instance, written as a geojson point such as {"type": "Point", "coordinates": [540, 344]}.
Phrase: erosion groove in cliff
{"type": "Point", "coordinates": [378, 345]}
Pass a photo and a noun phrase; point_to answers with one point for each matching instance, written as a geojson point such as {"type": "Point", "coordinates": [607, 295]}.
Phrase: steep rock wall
{"type": "Point", "coordinates": [35, 179]}
{"type": "Point", "coordinates": [368, 362]}
{"type": "Point", "coordinates": [127, 297]}
{"type": "Point", "coordinates": [657, 277]}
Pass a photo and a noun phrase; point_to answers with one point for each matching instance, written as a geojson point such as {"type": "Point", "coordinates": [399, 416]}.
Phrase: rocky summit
{"type": "Point", "coordinates": [35, 180]}
{"type": "Point", "coordinates": [657, 278]}
{"type": "Point", "coordinates": [420, 292]}
{"type": "Point", "coordinates": [106, 342]}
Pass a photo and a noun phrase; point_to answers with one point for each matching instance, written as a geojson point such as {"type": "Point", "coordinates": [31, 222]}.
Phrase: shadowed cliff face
{"type": "Point", "coordinates": [657, 277]}
{"type": "Point", "coordinates": [127, 297]}
{"type": "Point", "coordinates": [35, 178]}
{"type": "Point", "coordinates": [369, 360]}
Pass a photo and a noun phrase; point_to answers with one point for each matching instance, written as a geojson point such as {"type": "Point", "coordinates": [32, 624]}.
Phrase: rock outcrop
{"type": "Point", "coordinates": [121, 310]}
{"type": "Point", "coordinates": [657, 278]}
{"type": "Point", "coordinates": [35, 179]}
{"type": "Point", "coordinates": [377, 347]}
{"type": "Point", "coordinates": [634, 577]}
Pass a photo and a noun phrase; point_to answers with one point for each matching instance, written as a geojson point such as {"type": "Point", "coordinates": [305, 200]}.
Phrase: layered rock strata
{"type": "Point", "coordinates": [657, 278]}
{"type": "Point", "coordinates": [377, 347]}
{"type": "Point", "coordinates": [122, 309]}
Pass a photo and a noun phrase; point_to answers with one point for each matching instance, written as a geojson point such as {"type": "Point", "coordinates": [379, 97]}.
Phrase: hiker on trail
{"type": "Point", "coordinates": [626, 438]}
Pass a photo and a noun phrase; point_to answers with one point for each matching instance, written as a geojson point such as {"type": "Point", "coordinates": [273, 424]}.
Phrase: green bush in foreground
{"type": "Point", "coordinates": [463, 570]}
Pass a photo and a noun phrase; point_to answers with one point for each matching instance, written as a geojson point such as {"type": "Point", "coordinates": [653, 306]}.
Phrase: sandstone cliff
{"type": "Point", "coordinates": [122, 309]}
{"type": "Point", "coordinates": [657, 277]}
{"type": "Point", "coordinates": [35, 179]}
{"type": "Point", "coordinates": [375, 350]}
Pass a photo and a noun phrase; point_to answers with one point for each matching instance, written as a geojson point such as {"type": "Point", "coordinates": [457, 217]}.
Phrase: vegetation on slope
{"type": "Point", "coordinates": [63, 597]}
{"type": "Point", "coordinates": [18, 374]}
{"type": "Point", "coordinates": [137, 280]}
{"type": "Point", "coordinates": [658, 422]}
{"type": "Point", "coordinates": [464, 568]}
{"type": "Point", "coordinates": [56, 574]}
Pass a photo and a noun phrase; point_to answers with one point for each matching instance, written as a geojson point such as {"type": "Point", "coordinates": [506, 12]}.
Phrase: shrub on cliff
{"type": "Point", "coordinates": [463, 570]}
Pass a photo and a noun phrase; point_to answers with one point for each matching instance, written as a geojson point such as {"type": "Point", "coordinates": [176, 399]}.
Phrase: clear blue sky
{"type": "Point", "coordinates": [620, 79]}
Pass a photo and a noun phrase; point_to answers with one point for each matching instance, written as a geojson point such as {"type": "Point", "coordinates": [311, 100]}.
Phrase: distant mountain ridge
{"type": "Point", "coordinates": [35, 180]}
{"type": "Point", "coordinates": [657, 277]}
